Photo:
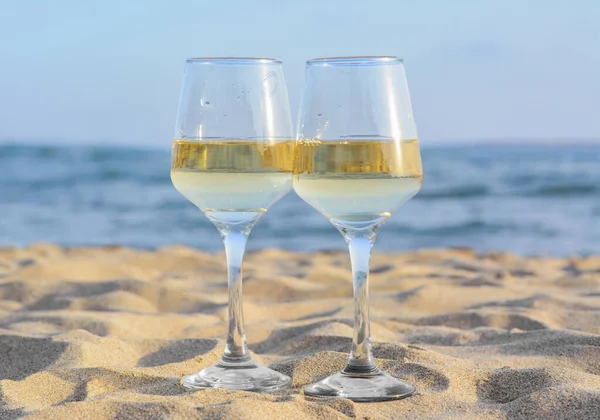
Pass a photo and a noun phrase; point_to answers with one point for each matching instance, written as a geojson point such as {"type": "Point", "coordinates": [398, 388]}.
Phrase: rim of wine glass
{"type": "Point", "coordinates": [233, 60]}
{"type": "Point", "coordinates": [358, 60]}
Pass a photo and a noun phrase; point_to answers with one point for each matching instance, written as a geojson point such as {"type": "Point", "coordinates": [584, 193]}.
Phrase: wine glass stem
{"type": "Point", "coordinates": [235, 348]}
{"type": "Point", "coordinates": [361, 360]}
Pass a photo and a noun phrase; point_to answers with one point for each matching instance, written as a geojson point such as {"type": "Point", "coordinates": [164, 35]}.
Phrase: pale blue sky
{"type": "Point", "coordinates": [110, 71]}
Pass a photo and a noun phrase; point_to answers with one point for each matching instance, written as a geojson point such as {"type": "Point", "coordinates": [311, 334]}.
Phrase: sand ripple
{"type": "Point", "coordinates": [107, 333]}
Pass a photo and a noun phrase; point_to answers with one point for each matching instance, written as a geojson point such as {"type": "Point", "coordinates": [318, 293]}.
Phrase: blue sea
{"type": "Point", "coordinates": [530, 200]}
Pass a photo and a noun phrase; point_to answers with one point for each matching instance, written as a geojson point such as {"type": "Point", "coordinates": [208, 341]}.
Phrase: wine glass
{"type": "Point", "coordinates": [357, 161]}
{"type": "Point", "coordinates": [232, 158]}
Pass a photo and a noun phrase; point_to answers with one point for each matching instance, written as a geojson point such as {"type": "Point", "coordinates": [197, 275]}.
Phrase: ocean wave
{"type": "Point", "coordinates": [105, 178]}
{"type": "Point", "coordinates": [12, 151]}
{"type": "Point", "coordinates": [521, 180]}
{"type": "Point", "coordinates": [566, 190]}
{"type": "Point", "coordinates": [104, 205]}
{"type": "Point", "coordinates": [90, 154]}
{"type": "Point", "coordinates": [465, 191]}
{"type": "Point", "coordinates": [471, 228]}
{"type": "Point", "coordinates": [111, 155]}
{"type": "Point", "coordinates": [466, 228]}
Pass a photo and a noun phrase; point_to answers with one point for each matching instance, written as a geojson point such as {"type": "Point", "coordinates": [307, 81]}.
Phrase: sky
{"type": "Point", "coordinates": [109, 71]}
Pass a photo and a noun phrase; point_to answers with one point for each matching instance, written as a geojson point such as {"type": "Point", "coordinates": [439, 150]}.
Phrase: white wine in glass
{"type": "Point", "coordinates": [232, 180]}
{"type": "Point", "coordinates": [357, 181]}
{"type": "Point", "coordinates": [357, 161]}
{"type": "Point", "coordinates": [232, 157]}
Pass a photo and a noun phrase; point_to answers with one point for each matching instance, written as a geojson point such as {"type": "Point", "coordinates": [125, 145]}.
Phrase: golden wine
{"type": "Point", "coordinates": [357, 181]}
{"type": "Point", "coordinates": [232, 180]}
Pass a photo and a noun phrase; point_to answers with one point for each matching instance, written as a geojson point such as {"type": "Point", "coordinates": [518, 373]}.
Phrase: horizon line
{"type": "Point", "coordinates": [472, 142]}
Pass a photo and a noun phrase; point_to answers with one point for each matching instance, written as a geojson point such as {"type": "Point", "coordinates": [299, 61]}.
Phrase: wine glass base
{"type": "Point", "coordinates": [248, 377]}
{"type": "Point", "coordinates": [377, 387]}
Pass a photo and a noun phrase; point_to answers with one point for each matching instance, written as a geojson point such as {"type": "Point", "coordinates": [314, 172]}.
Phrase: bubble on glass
{"type": "Point", "coordinates": [270, 83]}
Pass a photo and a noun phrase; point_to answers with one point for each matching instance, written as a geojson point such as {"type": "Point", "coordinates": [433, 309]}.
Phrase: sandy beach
{"type": "Point", "coordinates": [107, 333]}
